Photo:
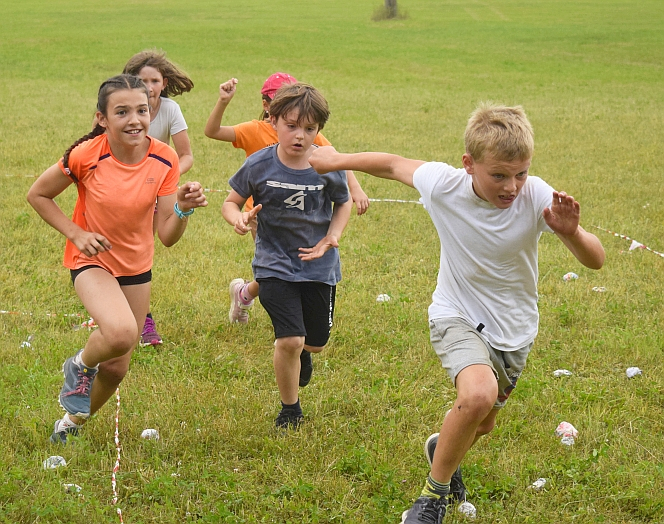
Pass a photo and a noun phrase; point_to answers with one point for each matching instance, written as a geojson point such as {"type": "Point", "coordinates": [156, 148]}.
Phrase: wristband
{"type": "Point", "coordinates": [182, 214]}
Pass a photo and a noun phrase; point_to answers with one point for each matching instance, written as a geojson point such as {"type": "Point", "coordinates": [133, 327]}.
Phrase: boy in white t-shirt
{"type": "Point", "coordinates": [483, 319]}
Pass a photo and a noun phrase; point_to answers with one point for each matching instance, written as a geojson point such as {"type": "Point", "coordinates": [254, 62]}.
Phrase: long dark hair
{"type": "Point", "coordinates": [116, 83]}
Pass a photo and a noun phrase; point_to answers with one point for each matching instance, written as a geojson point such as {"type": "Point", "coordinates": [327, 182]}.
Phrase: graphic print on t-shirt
{"type": "Point", "coordinates": [295, 199]}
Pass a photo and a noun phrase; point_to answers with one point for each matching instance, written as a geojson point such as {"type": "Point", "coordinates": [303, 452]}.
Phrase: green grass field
{"type": "Point", "coordinates": [588, 73]}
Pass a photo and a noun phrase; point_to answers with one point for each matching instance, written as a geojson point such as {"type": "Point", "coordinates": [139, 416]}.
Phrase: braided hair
{"type": "Point", "coordinates": [108, 87]}
{"type": "Point", "coordinates": [178, 81]}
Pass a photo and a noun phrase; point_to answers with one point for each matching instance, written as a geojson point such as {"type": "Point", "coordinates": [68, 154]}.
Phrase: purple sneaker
{"type": "Point", "coordinates": [150, 337]}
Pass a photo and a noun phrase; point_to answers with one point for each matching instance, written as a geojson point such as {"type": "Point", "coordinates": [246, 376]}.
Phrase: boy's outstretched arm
{"type": "Point", "coordinates": [382, 165]}
{"type": "Point", "coordinates": [563, 218]}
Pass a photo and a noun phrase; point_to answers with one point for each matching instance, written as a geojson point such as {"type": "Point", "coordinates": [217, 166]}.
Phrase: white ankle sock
{"type": "Point", "coordinates": [66, 423]}
{"type": "Point", "coordinates": [78, 360]}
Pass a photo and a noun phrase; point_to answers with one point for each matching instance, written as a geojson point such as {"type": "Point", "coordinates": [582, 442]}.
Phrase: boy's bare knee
{"type": "Point", "coordinates": [477, 403]}
{"type": "Point", "coordinates": [290, 344]}
{"type": "Point", "coordinates": [314, 349]}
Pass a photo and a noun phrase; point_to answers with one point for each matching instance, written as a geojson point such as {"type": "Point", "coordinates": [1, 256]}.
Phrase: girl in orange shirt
{"type": "Point", "coordinates": [119, 173]}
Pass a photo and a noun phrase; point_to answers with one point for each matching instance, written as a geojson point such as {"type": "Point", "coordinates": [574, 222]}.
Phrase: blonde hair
{"type": "Point", "coordinates": [501, 131]}
{"type": "Point", "coordinates": [309, 102]}
{"type": "Point", "coordinates": [178, 81]}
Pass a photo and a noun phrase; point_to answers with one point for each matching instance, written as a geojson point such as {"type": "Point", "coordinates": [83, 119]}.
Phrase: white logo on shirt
{"type": "Point", "coordinates": [299, 187]}
{"type": "Point", "coordinates": [296, 200]}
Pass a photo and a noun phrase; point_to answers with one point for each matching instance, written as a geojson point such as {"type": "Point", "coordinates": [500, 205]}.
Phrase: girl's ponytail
{"type": "Point", "coordinates": [98, 130]}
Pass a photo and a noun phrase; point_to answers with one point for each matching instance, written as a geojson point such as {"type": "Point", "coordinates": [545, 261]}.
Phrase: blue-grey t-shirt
{"type": "Point", "coordinates": [296, 212]}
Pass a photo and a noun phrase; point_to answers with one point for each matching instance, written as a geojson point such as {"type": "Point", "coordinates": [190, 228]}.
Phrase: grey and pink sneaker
{"type": "Point", "coordinates": [75, 393]}
{"type": "Point", "coordinates": [239, 310]}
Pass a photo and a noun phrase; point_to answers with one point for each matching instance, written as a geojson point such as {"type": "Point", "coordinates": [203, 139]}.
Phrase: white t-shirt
{"type": "Point", "coordinates": [168, 122]}
{"type": "Point", "coordinates": [488, 256]}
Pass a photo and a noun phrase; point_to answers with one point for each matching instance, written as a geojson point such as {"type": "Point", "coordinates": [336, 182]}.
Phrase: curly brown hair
{"type": "Point", "coordinates": [178, 81]}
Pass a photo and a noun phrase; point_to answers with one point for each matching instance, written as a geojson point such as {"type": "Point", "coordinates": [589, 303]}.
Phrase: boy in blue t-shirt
{"type": "Point", "coordinates": [295, 209]}
{"type": "Point", "coordinates": [483, 318]}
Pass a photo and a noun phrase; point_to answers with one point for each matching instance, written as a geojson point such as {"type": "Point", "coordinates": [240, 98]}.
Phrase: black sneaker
{"type": "Point", "coordinates": [425, 510]}
{"type": "Point", "coordinates": [288, 419]}
{"type": "Point", "coordinates": [457, 487]}
{"type": "Point", "coordinates": [306, 368]}
{"type": "Point", "coordinates": [60, 437]}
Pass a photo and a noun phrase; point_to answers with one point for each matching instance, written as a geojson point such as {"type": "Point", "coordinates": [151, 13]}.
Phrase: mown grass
{"type": "Point", "coordinates": [589, 75]}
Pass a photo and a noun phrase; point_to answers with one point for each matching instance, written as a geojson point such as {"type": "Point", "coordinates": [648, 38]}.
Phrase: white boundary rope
{"type": "Point", "coordinates": [210, 190]}
{"type": "Point", "coordinates": [395, 200]}
{"type": "Point", "coordinates": [116, 468]}
{"type": "Point", "coordinates": [635, 243]}
{"type": "Point", "coordinates": [74, 315]}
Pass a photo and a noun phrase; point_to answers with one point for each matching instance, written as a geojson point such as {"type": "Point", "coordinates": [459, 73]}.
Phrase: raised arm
{"type": "Point", "coordinates": [382, 165]}
{"type": "Point", "coordinates": [563, 218]}
{"type": "Point", "coordinates": [213, 127]}
{"type": "Point", "coordinates": [41, 196]}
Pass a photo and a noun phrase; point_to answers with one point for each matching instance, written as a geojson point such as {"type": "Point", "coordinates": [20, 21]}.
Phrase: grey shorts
{"type": "Point", "coordinates": [459, 345]}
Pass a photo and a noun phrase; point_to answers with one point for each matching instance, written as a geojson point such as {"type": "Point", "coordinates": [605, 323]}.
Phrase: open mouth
{"type": "Point", "coordinates": [133, 132]}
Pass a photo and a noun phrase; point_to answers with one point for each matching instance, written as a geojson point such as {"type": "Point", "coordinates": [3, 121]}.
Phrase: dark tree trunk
{"type": "Point", "coordinates": [391, 8]}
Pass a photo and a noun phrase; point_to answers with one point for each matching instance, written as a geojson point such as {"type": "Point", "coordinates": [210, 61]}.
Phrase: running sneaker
{"type": "Point", "coordinates": [425, 511]}
{"type": "Point", "coordinates": [306, 368]}
{"type": "Point", "coordinates": [288, 419]}
{"type": "Point", "coordinates": [59, 435]}
{"type": "Point", "coordinates": [457, 487]}
{"type": "Point", "coordinates": [150, 337]}
{"type": "Point", "coordinates": [239, 311]}
{"type": "Point", "coordinates": [75, 393]}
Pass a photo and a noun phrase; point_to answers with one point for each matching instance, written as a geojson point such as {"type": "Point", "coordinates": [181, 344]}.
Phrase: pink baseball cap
{"type": "Point", "coordinates": [275, 81]}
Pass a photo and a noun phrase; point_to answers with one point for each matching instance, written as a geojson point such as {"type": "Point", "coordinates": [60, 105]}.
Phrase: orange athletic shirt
{"type": "Point", "coordinates": [117, 200]}
{"type": "Point", "coordinates": [258, 134]}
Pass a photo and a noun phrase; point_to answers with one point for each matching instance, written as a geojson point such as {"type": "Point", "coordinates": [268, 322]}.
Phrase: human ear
{"type": "Point", "coordinates": [468, 163]}
{"type": "Point", "coordinates": [165, 83]}
{"type": "Point", "coordinates": [101, 119]}
{"type": "Point", "coordinates": [273, 121]}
